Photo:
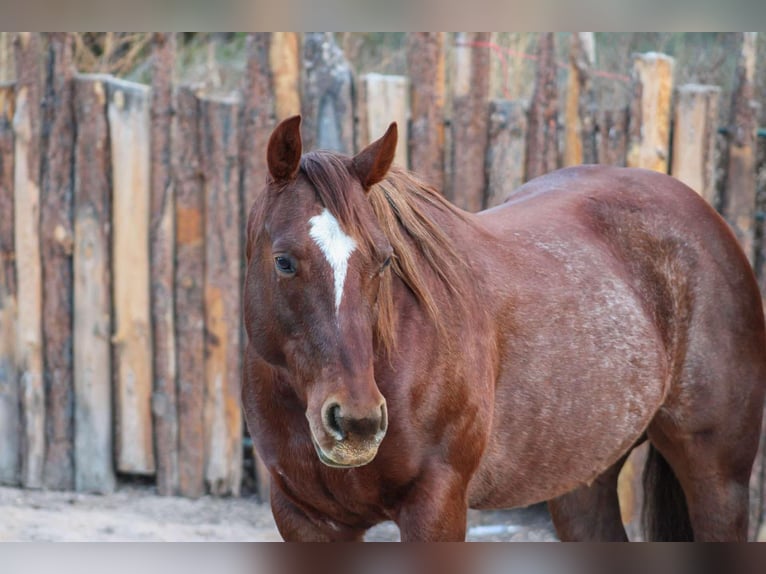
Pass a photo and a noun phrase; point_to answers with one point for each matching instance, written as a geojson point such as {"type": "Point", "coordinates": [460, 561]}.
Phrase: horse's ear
{"type": "Point", "coordinates": [284, 152]}
{"type": "Point", "coordinates": [373, 162]}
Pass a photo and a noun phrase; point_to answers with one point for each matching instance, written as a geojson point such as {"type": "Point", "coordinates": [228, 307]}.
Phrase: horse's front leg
{"type": "Point", "coordinates": [295, 526]}
{"type": "Point", "coordinates": [435, 509]}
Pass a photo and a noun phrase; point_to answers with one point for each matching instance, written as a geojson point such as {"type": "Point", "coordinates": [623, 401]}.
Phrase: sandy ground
{"type": "Point", "coordinates": [135, 513]}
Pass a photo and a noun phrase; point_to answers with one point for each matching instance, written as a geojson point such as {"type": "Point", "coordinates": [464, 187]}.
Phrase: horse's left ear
{"type": "Point", "coordinates": [373, 162]}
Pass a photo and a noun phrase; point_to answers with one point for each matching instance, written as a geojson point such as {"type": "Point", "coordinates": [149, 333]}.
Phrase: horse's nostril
{"type": "Point", "coordinates": [333, 421]}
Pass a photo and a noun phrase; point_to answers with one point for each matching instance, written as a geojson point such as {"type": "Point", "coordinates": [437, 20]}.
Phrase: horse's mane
{"type": "Point", "coordinates": [408, 212]}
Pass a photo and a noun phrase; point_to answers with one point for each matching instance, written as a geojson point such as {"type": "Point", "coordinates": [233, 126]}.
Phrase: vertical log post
{"type": "Point", "coordinates": [10, 423]}
{"type": "Point", "coordinates": [382, 100]}
{"type": "Point", "coordinates": [93, 444]}
{"type": "Point", "coordinates": [694, 137]}
{"type": "Point", "coordinates": [326, 103]}
{"type": "Point", "coordinates": [223, 312]}
{"type": "Point", "coordinates": [426, 69]}
{"type": "Point", "coordinates": [162, 237]}
{"type": "Point", "coordinates": [612, 137]}
{"type": "Point", "coordinates": [469, 120]}
{"type": "Point", "coordinates": [543, 139]}
{"type": "Point", "coordinates": [26, 125]}
{"type": "Point", "coordinates": [579, 125]}
{"type": "Point", "coordinates": [738, 205]}
{"type": "Point", "coordinates": [649, 137]}
{"type": "Point", "coordinates": [190, 263]}
{"type": "Point", "coordinates": [285, 60]}
{"type": "Point", "coordinates": [56, 228]}
{"type": "Point", "coordinates": [257, 123]}
{"type": "Point", "coordinates": [128, 114]}
{"type": "Point", "coordinates": [506, 150]}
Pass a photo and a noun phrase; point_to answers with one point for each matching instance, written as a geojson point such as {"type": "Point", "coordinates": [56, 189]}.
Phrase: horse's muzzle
{"type": "Point", "coordinates": [348, 439]}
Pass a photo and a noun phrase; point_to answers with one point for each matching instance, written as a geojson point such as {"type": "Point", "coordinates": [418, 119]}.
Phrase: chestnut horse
{"type": "Point", "coordinates": [408, 360]}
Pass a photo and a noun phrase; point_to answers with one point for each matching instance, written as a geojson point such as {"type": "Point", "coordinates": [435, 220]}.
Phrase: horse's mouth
{"type": "Point", "coordinates": [353, 462]}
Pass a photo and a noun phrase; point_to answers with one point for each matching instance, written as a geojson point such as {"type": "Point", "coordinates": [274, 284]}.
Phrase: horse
{"type": "Point", "coordinates": [407, 360]}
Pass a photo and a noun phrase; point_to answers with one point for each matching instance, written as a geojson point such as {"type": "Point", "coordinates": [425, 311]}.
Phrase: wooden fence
{"type": "Point", "coordinates": [122, 210]}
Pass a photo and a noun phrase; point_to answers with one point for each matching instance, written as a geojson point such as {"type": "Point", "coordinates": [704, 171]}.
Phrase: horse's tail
{"type": "Point", "coordinates": [665, 515]}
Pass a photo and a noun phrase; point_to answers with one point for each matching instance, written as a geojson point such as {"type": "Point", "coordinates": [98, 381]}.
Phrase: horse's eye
{"type": "Point", "coordinates": [385, 265]}
{"type": "Point", "coordinates": [285, 265]}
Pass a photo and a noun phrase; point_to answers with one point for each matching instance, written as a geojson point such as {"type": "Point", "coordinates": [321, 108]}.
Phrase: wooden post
{"type": "Point", "coordinates": [382, 100]}
{"type": "Point", "coordinates": [257, 118]}
{"type": "Point", "coordinates": [190, 264]}
{"type": "Point", "coordinates": [694, 137]}
{"type": "Point", "coordinates": [327, 104]}
{"type": "Point", "coordinates": [223, 311]}
{"type": "Point", "coordinates": [426, 69]}
{"type": "Point", "coordinates": [93, 445]}
{"type": "Point", "coordinates": [738, 205]}
{"type": "Point", "coordinates": [285, 59]}
{"type": "Point", "coordinates": [579, 125]}
{"type": "Point", "coordinates": [26, 125]}
{"type": "Point", "coordinates": [612, 137]}
{"type": "Point", "coordinates": [10, 422]}
{"type": "Point", "coordinates": [162, 237]}
{"type": "Point", "coordinates": [257, 123]}
{"type": "Point", "coordinates": [543, 138]}
{"type": "Point", "coordinates": [56, 227]}
{"type": "Point", "coordinates": [128, 114]}
{"type": "Point", "coordinates": [6, 58]}
{"type": "Point", "coordinates": [506, 150]}
{"type": "Point", "coordinates": [649, 138]}
{"type": "Point", "coordinates": [469, 120]}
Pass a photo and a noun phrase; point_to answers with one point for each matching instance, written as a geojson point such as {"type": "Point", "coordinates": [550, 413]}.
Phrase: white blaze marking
{"type": "Point", "coordinates": [336, 246]}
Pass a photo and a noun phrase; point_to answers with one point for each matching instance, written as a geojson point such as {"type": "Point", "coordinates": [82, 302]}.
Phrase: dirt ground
{"type": "Point", "coordinates": [135, 513]}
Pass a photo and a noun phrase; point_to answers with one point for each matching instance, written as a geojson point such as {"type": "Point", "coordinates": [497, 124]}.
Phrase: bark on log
{"type": "Point", "coordinates": [580, 122]}
{"type": "Point", "coordinates": [382, 100]}
{"type": "Point", "coordinates": [543, 138]}
{"type": "Point", "coordinates": [223, 222]}
{"type": "Point", "coordinates": [10, 415]}
{"type": "Point", "coordinates": [26, 125]}
{"type": "Point", "coordinates": [187, 178]}
{"type": "Point", "coordinates": [285, 60]}
{"type": "Point", "coordinates": [327, 103]}
{"type": "Point", "coordinates": [426, 69]}
{"type": "Point", "coordinates": [469, 121]}
{"type": "Point", "coordinates": [612, 137]}
{"type": "Point", "coordinates": [506, 150]}
{"type": "Point", "coordinates": [162, 230]}
{"type": "Point", "coordinates": [93, 443]}
{"type": "Point", "coordinates": [56, 226]}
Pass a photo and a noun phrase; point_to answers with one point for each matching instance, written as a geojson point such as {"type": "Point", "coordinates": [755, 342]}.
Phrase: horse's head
{"type": "Point", "coordinates": [316, 255]}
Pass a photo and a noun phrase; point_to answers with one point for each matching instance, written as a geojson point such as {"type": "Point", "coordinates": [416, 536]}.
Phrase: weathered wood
{"type": "Point", "coordinates": [128, 114]}
{"type": "Point", "coordinates": [612, 137]}
{"type": "Point", "coordinates": [162, 239]}
{"type": "Point", "coordinates": [694, 137]}
{"type": "Point", "coordinates": [257, 123]}
{"type": "Point", "coordinates": [738, 201]}
{"type": "Point", "coordinates": [257, 118]}
{"type": "Point", "coordinates": [93, 445]}
{"type": "Point", "coordinates": [426, 69]}
{"type": "Point", "coordinates": [285, 59]}
{"type": "Point", "coordinates": [187, 183]}
{"type": "Point", "coordinates": [6, 58]}
{"type": "Point", "coordinates": [10, 422]}
{"type": "Point", "coordinates": [469, 120]}
{"type": "Point", "coordinates": [223, 222]}
{"type": "Point", "coordinates": [327, 104]}
{"type": "Point", "coordinates": [56, 227]}
{"type": "Point", "coordinates": [26, 125]}
{"type": "Point", "coordinates": [382, 100]}
{"type": "Point", "coordinates": [506, 150]}
{"type": "Point", "coordinates": [543, 138]}
{"type": "Point", "coordinates": [580, 122]}
{"type": "Point", "coordinates": [650, 113]}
